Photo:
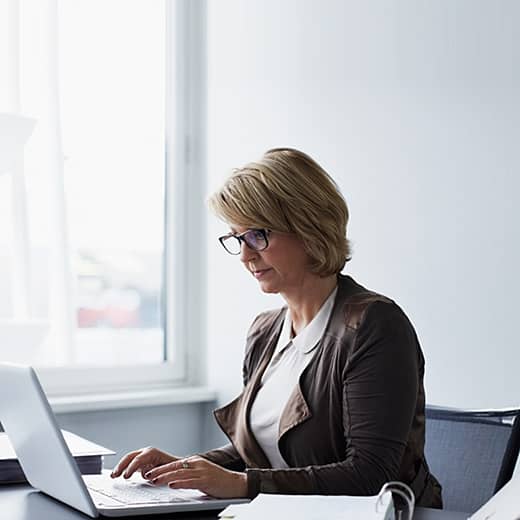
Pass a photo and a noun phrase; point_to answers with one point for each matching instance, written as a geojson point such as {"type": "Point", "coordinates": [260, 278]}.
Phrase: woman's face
{"type": "Point", "coordinates": [279, 268]}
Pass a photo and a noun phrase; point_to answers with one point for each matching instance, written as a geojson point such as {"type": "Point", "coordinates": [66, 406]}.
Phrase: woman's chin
{"type": "Point", "coordinates": [268, 288]}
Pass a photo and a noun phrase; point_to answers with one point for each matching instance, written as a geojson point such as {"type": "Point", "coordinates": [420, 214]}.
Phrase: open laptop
{"type": "Point", "coordinates": [49, 466]}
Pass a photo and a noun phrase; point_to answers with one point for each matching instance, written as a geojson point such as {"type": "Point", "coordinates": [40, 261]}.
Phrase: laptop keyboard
{"type": "Point", "coordinates": [142, 493]}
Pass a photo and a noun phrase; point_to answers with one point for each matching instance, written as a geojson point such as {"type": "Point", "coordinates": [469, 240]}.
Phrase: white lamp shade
{"type": "Point", "coordinates": [15, 130]}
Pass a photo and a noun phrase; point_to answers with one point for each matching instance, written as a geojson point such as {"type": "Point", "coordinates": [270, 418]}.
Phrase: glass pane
{"type": "Point", "coordinates": [113, 108]}
{"type": "Point", "coordinates": [111, 96]}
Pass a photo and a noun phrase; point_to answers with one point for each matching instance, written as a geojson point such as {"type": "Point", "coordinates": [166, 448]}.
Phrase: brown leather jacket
{"type": "Point", "coordinates": [356, 418]}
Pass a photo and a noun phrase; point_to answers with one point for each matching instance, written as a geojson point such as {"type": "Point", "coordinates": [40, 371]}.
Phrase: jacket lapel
{"type": "Point", "coordinates": [233, 418]}
{"type": "Point", "coordinates": [297, 410]}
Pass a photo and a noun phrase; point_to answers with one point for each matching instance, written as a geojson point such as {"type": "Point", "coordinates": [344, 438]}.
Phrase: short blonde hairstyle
{"type": "Point", "coordinates": [287, 191]}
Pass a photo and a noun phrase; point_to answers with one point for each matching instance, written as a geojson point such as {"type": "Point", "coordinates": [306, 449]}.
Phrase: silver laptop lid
{"type": "Point", "coordinates": [37, 440]}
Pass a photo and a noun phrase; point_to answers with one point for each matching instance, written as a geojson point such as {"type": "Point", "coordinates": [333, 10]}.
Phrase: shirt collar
{"type": "Point", "coordinates": [310, 336]}
{"type": "Point", "coordinates": [285, 335]}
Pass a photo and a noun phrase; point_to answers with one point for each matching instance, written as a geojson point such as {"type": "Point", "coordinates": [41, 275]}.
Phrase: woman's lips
{"type": "Point", "coordinates": [260, 273]}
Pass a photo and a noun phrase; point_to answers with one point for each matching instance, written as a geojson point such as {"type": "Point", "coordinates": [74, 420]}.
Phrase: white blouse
{"type": "Point", "coordinates": [289, 360]}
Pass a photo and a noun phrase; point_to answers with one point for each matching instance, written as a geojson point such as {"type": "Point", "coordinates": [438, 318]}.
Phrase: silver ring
{"type": "Point", "coordinates": [185, 465]}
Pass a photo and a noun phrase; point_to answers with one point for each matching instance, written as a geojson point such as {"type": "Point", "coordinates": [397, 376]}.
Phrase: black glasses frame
{"type": "Point", "coordinates": [242, 238]}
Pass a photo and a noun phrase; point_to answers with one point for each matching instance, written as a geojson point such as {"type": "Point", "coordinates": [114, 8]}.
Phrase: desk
{"type": "Point", "coordinates": [21, 502]}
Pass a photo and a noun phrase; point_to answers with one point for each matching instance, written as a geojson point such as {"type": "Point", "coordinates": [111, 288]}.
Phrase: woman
{"type": "Point", "coordinates": [333, 397]}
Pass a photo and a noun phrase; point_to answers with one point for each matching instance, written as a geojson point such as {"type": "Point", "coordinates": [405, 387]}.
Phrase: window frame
{"type": "Point", "coordinates": [184, 267]}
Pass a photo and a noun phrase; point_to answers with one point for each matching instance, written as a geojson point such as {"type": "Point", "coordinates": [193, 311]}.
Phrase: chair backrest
{"type": "Point", "coordinates": [472, 453]}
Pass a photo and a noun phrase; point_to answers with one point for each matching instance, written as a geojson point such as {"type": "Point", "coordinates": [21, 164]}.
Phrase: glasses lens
{"type": "Point", "coordinates": [255, 239]}
{"type": "Point", "coordinates": [231, 244]}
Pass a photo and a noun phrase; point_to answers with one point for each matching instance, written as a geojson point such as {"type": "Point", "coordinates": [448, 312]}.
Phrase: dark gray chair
{"type": "Point", "coordinates": [471, 452]}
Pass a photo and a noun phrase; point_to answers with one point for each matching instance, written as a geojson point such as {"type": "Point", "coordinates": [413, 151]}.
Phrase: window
{"type": "Point", "coordinates": [100, 78]}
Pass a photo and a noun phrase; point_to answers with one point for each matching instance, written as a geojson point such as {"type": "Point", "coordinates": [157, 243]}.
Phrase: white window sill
{"type": "Point", "coordinates": [131, 399]}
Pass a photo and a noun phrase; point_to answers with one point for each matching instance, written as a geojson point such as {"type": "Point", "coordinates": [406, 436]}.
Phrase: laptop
{"type": "Point", "coordinates": [49, 466]}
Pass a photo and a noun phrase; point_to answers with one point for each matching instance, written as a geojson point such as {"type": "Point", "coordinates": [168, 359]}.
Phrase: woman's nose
{"type": "Point", "coordinates": [246, 253]}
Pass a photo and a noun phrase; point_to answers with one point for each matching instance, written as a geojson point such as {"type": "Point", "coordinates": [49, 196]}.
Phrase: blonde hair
{"type": "Point", "coordinates": [287, 191]}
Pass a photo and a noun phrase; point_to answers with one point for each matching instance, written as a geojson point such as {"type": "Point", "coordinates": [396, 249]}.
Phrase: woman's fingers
{"type": "Point", "coordinates": [141, 461]}
{"type": "Point", "coordinates": [145, 469]}
{"type": "Point", "coordinates": [172, 476]}
{"type": "Point", "coordinates": [168, 469]}
{"type": "Point", "coordinates": [123, 463]}
{"type": "Point", "coordinates": [186, 483]}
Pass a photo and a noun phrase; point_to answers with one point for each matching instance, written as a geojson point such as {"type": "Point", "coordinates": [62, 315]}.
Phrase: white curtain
{"type": "Point", "coordinates": [39, 219]}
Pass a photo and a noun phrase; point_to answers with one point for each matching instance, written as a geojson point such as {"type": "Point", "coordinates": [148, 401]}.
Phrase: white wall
{"type": "Point", "coordinates": [413, 106]}
{"type": "Point", "coordinates": [174, 428]}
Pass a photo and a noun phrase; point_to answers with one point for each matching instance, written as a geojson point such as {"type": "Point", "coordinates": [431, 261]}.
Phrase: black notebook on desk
{"type": "Point", "coordinates": [87, 454]}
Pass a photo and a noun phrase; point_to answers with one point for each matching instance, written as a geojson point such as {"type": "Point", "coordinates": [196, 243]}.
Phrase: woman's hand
{"type": "Point", "coordinates": [198, 473]}
{"type": "Point", "coordinates": [141, 460]}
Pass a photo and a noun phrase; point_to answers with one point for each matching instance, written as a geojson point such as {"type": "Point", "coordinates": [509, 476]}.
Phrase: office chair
{"type": "Point", "coordinates": [472, 453]}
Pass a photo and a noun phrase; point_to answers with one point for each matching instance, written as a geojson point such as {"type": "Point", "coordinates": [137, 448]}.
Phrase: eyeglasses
{"type": "Point", "coordinates": [255, 239]}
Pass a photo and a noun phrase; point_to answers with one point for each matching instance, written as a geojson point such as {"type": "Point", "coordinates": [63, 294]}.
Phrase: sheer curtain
{"type": "Point", "coordinates": [43, 158]}
{"type": "Point", "coordinates": [84, 210]}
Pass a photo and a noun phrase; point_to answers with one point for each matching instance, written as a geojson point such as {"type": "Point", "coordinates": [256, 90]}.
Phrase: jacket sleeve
{"type": "Point", "coordinates": [226, 456]}
{"type": "Point", "coordinates": [380, 384]}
